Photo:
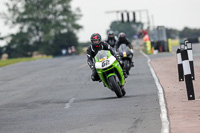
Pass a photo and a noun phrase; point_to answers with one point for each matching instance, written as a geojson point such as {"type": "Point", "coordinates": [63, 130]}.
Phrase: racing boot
{"type": "Point", "coordinates": [104, 85]}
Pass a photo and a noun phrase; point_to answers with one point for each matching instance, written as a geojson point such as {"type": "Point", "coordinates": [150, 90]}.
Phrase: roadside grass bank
{"type": "Point", "coordinates": [17, 60]}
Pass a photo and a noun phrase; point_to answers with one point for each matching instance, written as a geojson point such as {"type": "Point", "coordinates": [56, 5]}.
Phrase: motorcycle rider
{"type": "Point", "coordinates": [123, 40]}
{"type": "Point", "coordinates": [112, 39]}
{"type": "Point", "coordinates": [92, 50]}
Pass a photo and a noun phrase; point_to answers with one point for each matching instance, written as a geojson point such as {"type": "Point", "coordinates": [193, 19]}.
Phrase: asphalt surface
{"type": "Point", "coordinates": [57, 96]}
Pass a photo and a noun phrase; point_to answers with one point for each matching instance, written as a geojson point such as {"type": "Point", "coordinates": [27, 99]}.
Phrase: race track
{"type": "Point", "coordinates": [57, 96]}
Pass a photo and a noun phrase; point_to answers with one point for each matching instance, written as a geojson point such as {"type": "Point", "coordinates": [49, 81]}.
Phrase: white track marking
{"type": "Point", "coordinates": [67, 105]}
{"type": "Point", "coordinates": [163, 109]}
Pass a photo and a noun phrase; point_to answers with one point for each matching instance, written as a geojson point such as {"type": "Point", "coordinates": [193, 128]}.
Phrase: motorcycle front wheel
{"type": "Point", "coordinates": [115, 86]}
{"type": "Point", "coordinates": [127, 66]}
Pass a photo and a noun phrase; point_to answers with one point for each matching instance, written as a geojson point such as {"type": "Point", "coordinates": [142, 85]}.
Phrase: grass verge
{"type": "Point", "coordinates": [16, 60]}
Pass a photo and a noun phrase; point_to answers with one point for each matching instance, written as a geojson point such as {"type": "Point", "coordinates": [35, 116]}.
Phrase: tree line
{"type": "Point", "coordinates": [181, 34]}
{"type": "Point", "coordinates": [45, 26]}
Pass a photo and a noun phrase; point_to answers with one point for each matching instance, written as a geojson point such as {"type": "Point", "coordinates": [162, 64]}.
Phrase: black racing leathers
{"type": "Point", "coordinates": [111, 42]}
{"type": "Point", "coordinates": [125, 41]}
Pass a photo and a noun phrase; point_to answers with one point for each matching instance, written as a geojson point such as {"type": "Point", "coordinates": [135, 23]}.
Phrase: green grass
{"type": "Point", "coordinates": [16, 60]}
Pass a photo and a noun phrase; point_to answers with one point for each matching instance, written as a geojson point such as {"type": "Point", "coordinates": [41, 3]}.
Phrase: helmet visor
{"type": "Point", "coordinates": [95, 41]}
{"type": "Point", "coordinates": [111, 36]}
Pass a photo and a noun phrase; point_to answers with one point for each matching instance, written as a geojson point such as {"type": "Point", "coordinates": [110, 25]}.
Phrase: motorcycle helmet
{"type": "Point", "coordinates": [95, 39]}
{"type": "Point", "coordinates": [121, 36]}
{"type": "Point", "coordinates": [111, 34]}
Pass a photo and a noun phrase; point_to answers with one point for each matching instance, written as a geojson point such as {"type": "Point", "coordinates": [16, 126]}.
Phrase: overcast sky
{"type": "Point", "coordinates": [170, 13]}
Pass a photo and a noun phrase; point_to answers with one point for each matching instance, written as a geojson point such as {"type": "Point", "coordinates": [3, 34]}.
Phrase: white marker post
{"type": "Point", "coordinates": [190, 56]}
{"type": "Point", "coordinates": [187, 73]}
{"type": "Point", "coordinates": [180, 65]}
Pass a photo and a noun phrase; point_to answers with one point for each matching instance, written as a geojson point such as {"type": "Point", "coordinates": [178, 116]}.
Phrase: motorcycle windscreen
{"type": "Point", "coordinates": [101, 55]}
{"type": "Point", "coordinates": [123, 50]}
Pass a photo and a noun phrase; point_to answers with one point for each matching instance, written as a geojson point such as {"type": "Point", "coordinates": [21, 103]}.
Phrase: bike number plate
{"type": "Point", "coordinates": [124, 54]}
{"type": "Point", "coordinates": [105, 63]}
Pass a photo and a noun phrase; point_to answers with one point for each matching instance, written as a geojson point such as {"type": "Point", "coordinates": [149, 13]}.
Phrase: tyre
{"type": "Point", "coordinates": [123, 92]}
{"type": "Point", "coordinates": [115, 87]}
{"type": "Point", "coordinates": [127, 66]}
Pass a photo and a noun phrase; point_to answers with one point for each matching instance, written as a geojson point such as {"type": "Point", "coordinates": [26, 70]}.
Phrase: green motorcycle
{"type": "Point", "coordinates": [110, 72]}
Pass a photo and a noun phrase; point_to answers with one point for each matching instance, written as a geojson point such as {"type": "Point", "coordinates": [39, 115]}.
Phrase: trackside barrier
{"type": "Point", "coordinates": [169, 45]}
{"type": "Point", "coordinates": [190, 56]}
{"type": "Point", "coordinates": [161, 46]}
{"type": "Point", "coordinates": [147, 47]}
{"type": "Point", "coordinates": [180, 65]}
{"type": "Point", "coordinates": [175, 42]}
{"type": "Point", "coordinates": [186, 69]}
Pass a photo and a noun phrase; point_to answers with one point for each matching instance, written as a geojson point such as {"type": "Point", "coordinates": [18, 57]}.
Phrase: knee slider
{"type": "Point", "coordinates": [93, 78]}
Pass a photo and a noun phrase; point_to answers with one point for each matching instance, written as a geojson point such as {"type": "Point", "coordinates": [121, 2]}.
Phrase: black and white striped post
{"type": "Point", "coordinates": [180, 65]}
{"type": "Point", "coordinates": [186, 41]}
{"type": "Point", "coordinates": [187, 73]}
{"type": "Point", "coordinates": [190, 56]}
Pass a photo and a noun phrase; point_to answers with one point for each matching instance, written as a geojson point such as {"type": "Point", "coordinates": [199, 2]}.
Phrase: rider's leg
{"type": "Point", "coordinates": [95, 76]}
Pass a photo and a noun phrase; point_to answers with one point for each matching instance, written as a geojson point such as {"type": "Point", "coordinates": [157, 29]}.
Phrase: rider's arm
{"type": "Point", "coordinates": [129, 44]}
{"type": "Point", "coordinates": [108, 47]}
{"type": "Point", "coordinates": [90, 58]}
{"type": "Point", "coordinates": [116, 39]}
{"type": "Point", "coordinates": [117, 45]}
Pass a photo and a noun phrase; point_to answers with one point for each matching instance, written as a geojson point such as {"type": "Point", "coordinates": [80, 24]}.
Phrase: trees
{"type": "Point", "coordinates": [19, 45]}
{"type": "Point", "coordinates": [172, 33]}
{"type": "Point", "coordinates": [185, 33]}
{"type": "Point", "coordinates": [42, 25]}
{"type": "Point", "coordinates": [190, 33]}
